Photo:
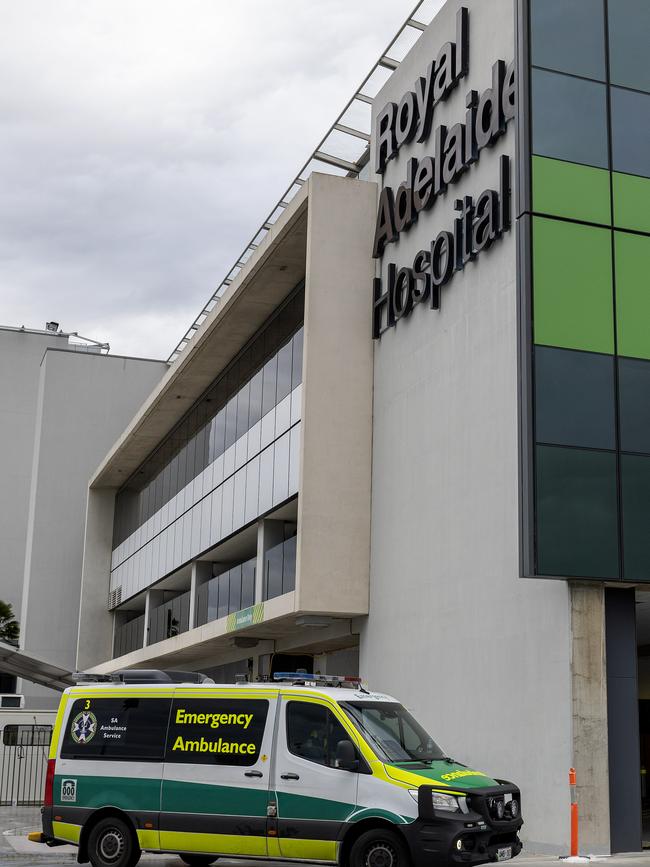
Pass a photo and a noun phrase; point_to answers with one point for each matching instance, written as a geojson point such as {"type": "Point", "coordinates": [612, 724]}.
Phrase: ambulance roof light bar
{"type": "Point", "coordinates": [303, 678]}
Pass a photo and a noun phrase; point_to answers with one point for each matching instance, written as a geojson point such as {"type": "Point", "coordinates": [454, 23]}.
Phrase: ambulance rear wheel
{"type": "Point", "coordinates": [112, 843]}
{"type": "Point", "coordinates": [379, 848]}
{"type": "Point", "coordinates": [198, 860]}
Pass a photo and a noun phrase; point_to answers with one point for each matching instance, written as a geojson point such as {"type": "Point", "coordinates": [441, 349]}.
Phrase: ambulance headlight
{"type": "Point", "coordinates": [447, 803]}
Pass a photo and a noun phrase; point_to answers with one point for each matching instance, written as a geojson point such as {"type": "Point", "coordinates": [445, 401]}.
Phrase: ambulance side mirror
{"type": "Point", "coordinates": [346, 756]}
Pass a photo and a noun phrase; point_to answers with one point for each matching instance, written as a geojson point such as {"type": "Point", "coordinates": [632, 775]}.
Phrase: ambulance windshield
{"type": "Point", "coordinates": [392, 730]}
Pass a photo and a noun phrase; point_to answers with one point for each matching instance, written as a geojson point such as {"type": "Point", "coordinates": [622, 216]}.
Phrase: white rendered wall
{"type": "Point", "coordinates": [481, 656]}
{"type": "Point", "coordinates": [85, 401]}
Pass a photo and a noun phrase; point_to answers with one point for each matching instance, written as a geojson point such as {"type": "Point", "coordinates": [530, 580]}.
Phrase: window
{"type": "Point", "coordinates": [630, 132]}
{"type": "Point", "coordinates": [231, 422]}
{"type": "Point", "coordinates": [284, 372]}
{"type": "Point", "coordinates": [569, 35]}
{"type": "Point", "coordinates": [269, 386]}
{"type": "Point", "coordinates": [243, 403]}
{"type": "Point", "coordinates": [572, 281]}
{"type": "Point", "coordinates": [216, 731]}
{"type": "Point", "coordinates": [256, 399]}
{"type": "Point", "coordinates": [635, 489]}
{"type": "Point", "coordinates": [296, 364]}
{"type": "Point", "coordinates": [634, 404]}
{"type": "Point", "coordinates": [577, 525]}
{"type": "Point", "coordinates": [27, 736]}
{"type": "Point", "coordinates": [574, 398]}
{"type": "Point", "coordinates": [629, 37]}
{"type": "Point", "coordinates": [313, 732]}
{"type": "Point", "coordinates": [394, 733]}
{"type": "Point", "coordinates": [569, 119]}
{"type": "Point", "coordinates": [116, 729]}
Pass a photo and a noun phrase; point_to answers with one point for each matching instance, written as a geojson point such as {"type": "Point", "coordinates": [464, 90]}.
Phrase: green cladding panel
{"type": "Point", "coordinates": [572, 286]}
{"type": "Point", "coordinates": [631, 202]}
{"type": "Point", "coordinates": [633, 294]}
{"type": "Point", "coordinates": [571, 191]}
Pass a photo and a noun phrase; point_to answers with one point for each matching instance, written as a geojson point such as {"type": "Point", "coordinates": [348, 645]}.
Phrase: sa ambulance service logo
{"type": "Point", "coordinates": [84, 727]}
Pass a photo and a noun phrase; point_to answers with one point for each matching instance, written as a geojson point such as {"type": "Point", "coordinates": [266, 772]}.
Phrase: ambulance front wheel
{"type": "Point", "coordinates": [379, 848]}
{"type": "Point", "coordinates": [112, 843]}
{"type": "Point", "coordinates": [198, 860]}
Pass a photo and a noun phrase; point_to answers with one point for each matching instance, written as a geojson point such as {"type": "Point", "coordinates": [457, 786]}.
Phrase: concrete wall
{"type": "Point", "coordinates": [21, 353]}
{"type": "Point", "coordinates": [481, 656]}
{"type": "Point", "coordinates": [335, 467]}
{"type": "Point", "coordinates": [84, 403]}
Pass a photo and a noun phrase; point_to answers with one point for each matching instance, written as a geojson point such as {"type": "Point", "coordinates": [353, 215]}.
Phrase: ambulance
{"type": "Point", "coordinates": [306, 768]}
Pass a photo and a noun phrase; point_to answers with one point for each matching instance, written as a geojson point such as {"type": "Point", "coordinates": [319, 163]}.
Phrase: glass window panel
{"type": "Point", "coordinates": [218, 434]}
{"type": "Point", "coordinates": [569, 119]}
{"type": "Point", "coordinates": [231, 422]}
{"type": "Point", "coordinates": [577, 523]}
{"type": "Point", "coordinates": [289, 565]}
{"type": "Point", "coordinates": [202, 592]}
{"type": "Point", "coordinates": [234, 603]}
{"type": "Point", "coordinates": [255, 411]}
{"type": "Point", "coordinates": [239, 499]}
{"type": "Point", "coordinates": [248, 584]}
{"type": "Point", "coordinates": [296, 364]}
{"type": "Point", "coordinates": [631, 132]}
{"type": "Point", "coordinates": [635, 489]}
{"type": "Point", "coordinates": [191, 455]}
{"type": "Point", "coordinates": [281, 470]}
{"type": "Point", "coordinates": [574, 398]}
{"type": "Point", "coordinates": [284, 372]}
{"type": "Point", "coordinates": [273, 570]}
{"type": "Point", "coordinates": [173, 477]}
{"type": "Point", "coordinates": [200, 462]}
{"type": "Point", "coordinates": [213, 600]}
{"type": "Point", "coordinates": [629, 38]}
{"type": "Point", "coordinates": [569, 35]}
{"type": "Point", "coordinates": [633, 294]}
{"type": "Point", "coordinates": [224, 594]}
{"type": "Point", "coordinates": [266, 480]}
{"type": "Point", "coordinates": [572, 280]}
{"type": "Point", "coordinates": [269, 385]}
{"type": "Point", "coordinates": [634, 404]}
{"type": "Point", "coordinates": [243, 402]}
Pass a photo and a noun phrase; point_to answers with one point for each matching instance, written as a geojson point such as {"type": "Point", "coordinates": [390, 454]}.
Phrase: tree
{"type": "Point", "coordinates": [9, 627]}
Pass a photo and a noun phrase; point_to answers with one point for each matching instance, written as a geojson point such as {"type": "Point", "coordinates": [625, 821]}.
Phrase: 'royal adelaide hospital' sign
{"type": "Point", "coordinates": [452, 152]}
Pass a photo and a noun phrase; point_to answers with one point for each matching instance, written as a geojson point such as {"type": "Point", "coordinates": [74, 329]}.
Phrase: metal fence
{"type": "Point", "coordinates": [23, 764]}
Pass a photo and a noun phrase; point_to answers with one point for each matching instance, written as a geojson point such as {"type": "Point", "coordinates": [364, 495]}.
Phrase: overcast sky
{"type": "Point", "coordinates": [142, 142]}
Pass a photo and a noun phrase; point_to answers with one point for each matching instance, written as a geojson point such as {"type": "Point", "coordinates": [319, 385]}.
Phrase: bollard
{"type": "Point", "coordinates": [574, 813]}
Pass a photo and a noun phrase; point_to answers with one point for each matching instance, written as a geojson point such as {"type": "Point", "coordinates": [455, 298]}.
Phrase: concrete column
{"type": "Point", "coordinates": [152, 600]}
{"type": "Point", "coordinates": [589, 724]}
{"type": "Point", "coordinates": [94, 641]}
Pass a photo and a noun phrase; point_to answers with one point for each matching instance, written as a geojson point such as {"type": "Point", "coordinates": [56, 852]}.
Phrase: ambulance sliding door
{"type": "Point", "coordinates": [215, 787]}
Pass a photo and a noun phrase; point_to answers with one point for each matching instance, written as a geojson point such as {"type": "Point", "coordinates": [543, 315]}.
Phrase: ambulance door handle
{"type": "Point", "coordinates": [253, 774]}
{"type": "Point", "coordinates": [289, 776]}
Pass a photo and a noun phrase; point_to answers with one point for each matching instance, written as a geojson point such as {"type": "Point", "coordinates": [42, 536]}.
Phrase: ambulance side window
{"type": "Point", "coordinates": [313, 732]}
{"type": "Point", "coordinates": [117, 729]}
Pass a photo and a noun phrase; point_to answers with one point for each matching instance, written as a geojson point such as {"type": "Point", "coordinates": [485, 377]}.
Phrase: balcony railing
{"type": "Point", "coordinates": [280, 569]}
{"type": "Point", "coordinates": [169, 619]}
{"type": "Point", "coordinates": [225, 593]}
{"type": "Point", "coordinates": [129, 636]}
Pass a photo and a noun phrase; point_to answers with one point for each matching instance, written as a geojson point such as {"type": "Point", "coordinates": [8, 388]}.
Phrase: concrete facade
{"type": "Point", "coordinates": [482, 657]}
{"type": "Point", "coordinates": [84, 401]}
{"type": "Point", "coordinates": [324, 239]}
